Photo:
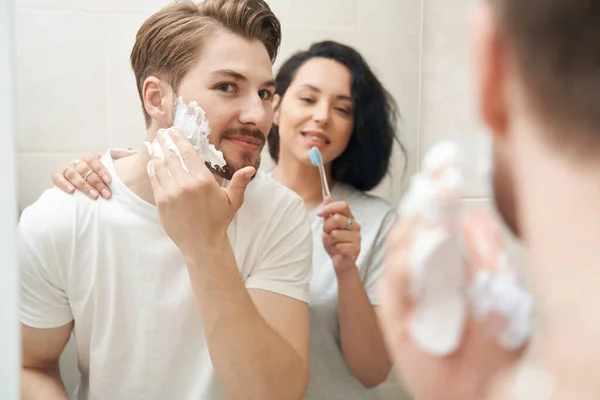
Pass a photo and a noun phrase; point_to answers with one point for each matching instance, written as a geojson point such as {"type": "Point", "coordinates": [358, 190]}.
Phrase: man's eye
{"type": "Point", "coordinates": [265, 95]}
{"type": "Point", "coordinates": [225, 87]}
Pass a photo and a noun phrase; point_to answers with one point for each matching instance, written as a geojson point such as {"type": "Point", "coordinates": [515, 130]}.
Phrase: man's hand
{"type": "Point", "coordinates": [465, 374]}
{"type": "Point", "coordinates": [341, 235]}
{"type": "Point", "coordinates": [193, 208]}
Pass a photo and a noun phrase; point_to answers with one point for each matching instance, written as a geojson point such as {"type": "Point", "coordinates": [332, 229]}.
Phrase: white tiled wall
{"type": "Point", "coordinates": [9, 289]}
{"type": "Point", "coordinates": [75, 90]}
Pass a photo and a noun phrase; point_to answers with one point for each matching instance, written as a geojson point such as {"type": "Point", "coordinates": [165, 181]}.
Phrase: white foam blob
{"type": "Point", "coordinates": [438, 279]}
{"type": "Point", "coordinates": [190, 119]}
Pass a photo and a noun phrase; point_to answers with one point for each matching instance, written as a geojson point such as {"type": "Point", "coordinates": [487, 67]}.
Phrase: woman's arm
{"type": "Point", "coordinates": [362, 342]}
{"type": "Point", "coordinates": [87, 174]}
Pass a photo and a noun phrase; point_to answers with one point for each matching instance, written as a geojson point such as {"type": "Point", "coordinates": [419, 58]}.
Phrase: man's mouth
{"type": "Point", "coordinates": [246, 142]}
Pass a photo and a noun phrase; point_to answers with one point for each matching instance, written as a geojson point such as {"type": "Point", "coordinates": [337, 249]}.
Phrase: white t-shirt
{"type": "Point", "coordinates": [110, 267]}
{"type": "Point", "coordinates": [330, 378]}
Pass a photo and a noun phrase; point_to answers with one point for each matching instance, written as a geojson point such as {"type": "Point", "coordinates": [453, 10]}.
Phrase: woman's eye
{"type": "Point", "coordinates": [306, 100]}
{"type": "Point", "coordinates": [343, 111]}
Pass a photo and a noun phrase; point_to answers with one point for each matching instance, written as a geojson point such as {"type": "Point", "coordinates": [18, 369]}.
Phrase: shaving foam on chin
{"type": "Point", "coordinates": [438, 280]}
{"type": "Point", "coordinates": [190, 119]}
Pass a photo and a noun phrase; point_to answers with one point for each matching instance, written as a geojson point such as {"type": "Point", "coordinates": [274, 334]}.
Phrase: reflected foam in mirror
{"type": "Point", "coordinates": [438, 274]}
{"type": "Point", "coordinates": [190, 119]}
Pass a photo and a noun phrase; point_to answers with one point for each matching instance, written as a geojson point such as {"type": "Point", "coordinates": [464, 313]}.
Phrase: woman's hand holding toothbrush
{"type": "Point", "coordinates": [341, 235]}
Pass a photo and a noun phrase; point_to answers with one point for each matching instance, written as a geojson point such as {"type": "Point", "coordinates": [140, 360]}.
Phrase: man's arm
{"type": "Point", "coordinates": [258, 351]}
{"type": "Point", "coordinates": [44, 240]}
{"type": "Point", "coordinates": [41, 350]}
{"type": "Point", "coordinates": [258, 340]}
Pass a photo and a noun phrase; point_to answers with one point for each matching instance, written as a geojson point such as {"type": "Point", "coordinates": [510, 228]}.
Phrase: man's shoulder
{"type": "Point", "coordinates": [273, 211]}
{"type": "Point", "coordinates": [54, 211]}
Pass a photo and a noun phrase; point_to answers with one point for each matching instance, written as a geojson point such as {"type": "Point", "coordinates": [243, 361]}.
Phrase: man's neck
{"type": "Point", "coordinates": [559, 208]}
{"type": "Point", "coordinates": [132, 170]}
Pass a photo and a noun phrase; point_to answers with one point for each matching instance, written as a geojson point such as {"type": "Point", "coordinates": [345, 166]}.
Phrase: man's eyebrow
{"type": "Point", "coordinates": [236, 76]}
{"type": "Point", "coordinates": [270, 83]}
{"type": "Point", "coordinates": [229, 73]}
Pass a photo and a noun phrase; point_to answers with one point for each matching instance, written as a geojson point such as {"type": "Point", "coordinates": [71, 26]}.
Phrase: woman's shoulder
{"type": "Point", "coordinates": [363, 205]}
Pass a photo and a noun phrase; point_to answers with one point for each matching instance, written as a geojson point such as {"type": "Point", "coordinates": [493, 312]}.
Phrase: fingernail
{"type": "Point", "coordinates": [105, 194]}
{"type": "Point", "coordinates": [94, 194]}
{"type": "Point", "coordinates": [106, 179]}
{"type": "Point", "coordinates": [70, 189]}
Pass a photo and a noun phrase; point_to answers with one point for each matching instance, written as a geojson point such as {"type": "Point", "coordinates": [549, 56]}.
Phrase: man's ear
{"type": "Point", "coordinates": [491, 70]}
{"type": "Point", "coordinates": [158, 100]}
{"type": "Point", "coordinates": [276, 102]}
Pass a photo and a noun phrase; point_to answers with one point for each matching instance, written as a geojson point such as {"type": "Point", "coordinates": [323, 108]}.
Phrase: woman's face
{"type": "Point", "coordinates": [316, 110]}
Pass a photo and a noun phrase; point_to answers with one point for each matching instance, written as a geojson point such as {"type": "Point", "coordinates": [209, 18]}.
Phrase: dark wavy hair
{"type": "Point", "coordinates": [366, 159]}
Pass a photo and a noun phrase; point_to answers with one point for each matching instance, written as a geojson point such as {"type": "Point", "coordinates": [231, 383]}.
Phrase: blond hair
{"type": "Point", "coordinates": [169, 42]}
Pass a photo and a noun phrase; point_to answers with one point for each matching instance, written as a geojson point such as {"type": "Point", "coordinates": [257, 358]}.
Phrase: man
{"type": "Point", "coordinates": [177, 288]}
{"type": "Point", "coordinates": [538, 65]}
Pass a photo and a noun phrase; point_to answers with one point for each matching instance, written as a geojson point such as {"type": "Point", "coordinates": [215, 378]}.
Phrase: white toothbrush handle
{"type": "Point", "coordinates": [324, 185]}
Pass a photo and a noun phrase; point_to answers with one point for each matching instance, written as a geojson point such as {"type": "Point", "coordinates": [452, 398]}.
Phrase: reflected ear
{"type": "Point", "coordinates": [491, 68]}
{"type": "Point", "coordinates": [276, 102]}
{"type": "Point", "coordinates": [158, 100]}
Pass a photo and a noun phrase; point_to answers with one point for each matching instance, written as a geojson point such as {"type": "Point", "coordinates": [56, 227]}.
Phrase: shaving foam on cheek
{"type": "Point", "coordinates": [190, 119]}
{"type": "Point", "coordinates": [438, 279]}
{"type": "Point", "coordinates": [437, 272]}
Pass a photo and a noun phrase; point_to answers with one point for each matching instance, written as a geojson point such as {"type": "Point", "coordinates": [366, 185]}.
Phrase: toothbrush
{"type": "Point", "coordinates": [317, 161]}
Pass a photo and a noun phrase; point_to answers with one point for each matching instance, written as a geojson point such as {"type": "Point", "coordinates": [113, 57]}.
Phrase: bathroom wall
{"type": "Point", "coordinates": [9, 321]}
{"type": "Point", "coordinates": [75, 90]}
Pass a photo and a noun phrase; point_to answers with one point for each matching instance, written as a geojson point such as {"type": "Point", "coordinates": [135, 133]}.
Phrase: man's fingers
{"type": "Point", "coordinates": [237, 188]}
{"type": "Point", "coordinates": [192, 160]}
{"type": "Point", "coordinates": [163, 178]}
{"type": "Point", "coordinates": [483, 240]}
{"type": "Point", "coordinates": [172, 163]}
{"type": "Point", "coordinates": [156, 187]}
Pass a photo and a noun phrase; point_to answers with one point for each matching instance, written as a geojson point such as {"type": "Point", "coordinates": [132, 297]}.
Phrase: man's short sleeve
{"type": "Point", "coordinates": [44, 240]}
{"type": "Point", "coordinates": [286, 263]}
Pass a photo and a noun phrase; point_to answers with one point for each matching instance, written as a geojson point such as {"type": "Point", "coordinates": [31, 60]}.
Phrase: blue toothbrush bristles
{"type": "Point", "coordinates": [315, 156]}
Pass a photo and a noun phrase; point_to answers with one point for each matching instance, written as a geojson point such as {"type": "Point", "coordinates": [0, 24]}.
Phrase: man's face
{"type": "Point", "coordinates": [504, 186]}
{"type": "Point", "coordinates": [492, 81]}
{"type": "Point", "coordinates": [233, 82]}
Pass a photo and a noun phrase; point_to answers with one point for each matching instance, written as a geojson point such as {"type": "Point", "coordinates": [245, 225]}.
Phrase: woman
{"type": "Point", "coordinates": [327, 97]}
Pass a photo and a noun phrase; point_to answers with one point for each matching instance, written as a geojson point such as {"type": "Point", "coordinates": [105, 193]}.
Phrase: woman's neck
{"type": "Point", "coordinates": [304, 179]}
